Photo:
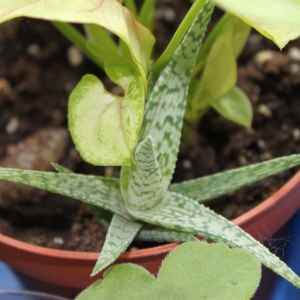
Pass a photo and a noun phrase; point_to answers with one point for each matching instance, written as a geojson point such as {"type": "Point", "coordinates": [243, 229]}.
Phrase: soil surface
{"type": "Point", "coordinates": [39, 68]}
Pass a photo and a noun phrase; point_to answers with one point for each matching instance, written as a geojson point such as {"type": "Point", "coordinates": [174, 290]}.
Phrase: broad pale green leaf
{"type": "Point", "coordinates": [235, 106]}
{"type": "Point", "coordinates": [212, 186]}
{"type": "Point", "coordinates": [241, 32]}
{"type": "Point", "coordinates": [120, 234]}
{"type": "Point", "coordinates": [105, 127]}
{"type": "Point", "coordinates": [209, 271]}
{"type": "Point", "coordinates": [95, 190]}
{"type": "Point", "coordinates": [142, 185]}
{"type": "Point", "coordinates": [183, 214]}
{"type": "Point", "coordinates": [165, 108]}
{"type": "Point", "coordinates": [277, 20]}
{"type": "Point", "coordinates": [220, 70]}
{"type": "Point", "coordinates": [109, 14]}
{"type": "Point", "coordinates": [163, 235]}
{"type": "Point", "coordinates": [191, 271]}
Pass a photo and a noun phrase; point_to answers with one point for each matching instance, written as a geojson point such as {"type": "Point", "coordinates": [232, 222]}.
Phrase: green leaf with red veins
{"type": "Point", "coordinates": [277, 20]}
{"type": "Point", "coordinates": [166, 105]}
{"type": "Point", "coordinates": [183, 214]}
{"type": "Point", "coordinates": [105, 127]}
{"type": "Point", "coordinates": [109, 14]}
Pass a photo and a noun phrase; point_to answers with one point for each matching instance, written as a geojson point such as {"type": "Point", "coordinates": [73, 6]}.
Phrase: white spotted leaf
{"type": "Point", "coordinates": [212, 186]}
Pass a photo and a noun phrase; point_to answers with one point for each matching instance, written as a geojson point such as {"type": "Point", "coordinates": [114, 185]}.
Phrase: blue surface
{"type": "Point", "coordinates": [9, 280]}
{"type": "Point", "coordinates": [282, 288]}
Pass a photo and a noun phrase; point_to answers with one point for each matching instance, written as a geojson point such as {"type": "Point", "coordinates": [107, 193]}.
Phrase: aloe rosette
{"type": "Point", "coordinates": [143, 195]}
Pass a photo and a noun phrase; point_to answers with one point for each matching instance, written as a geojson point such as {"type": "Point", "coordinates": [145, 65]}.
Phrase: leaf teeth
{"type": "Point", "coordinates": [209, 187]}
{"type": "Point", "coordinates": [166, 105]}
{"type": "Point", "coordinates": [121, 233]}
{"type": "Point", "coordinates": [95, 190]}
{"type": "Point", "coordinates": [183, 214]}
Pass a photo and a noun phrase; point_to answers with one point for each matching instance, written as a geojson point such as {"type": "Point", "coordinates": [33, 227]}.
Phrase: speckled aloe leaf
{"type": "Point", "coordinates": [142, 185]}
{"type": "Point", "coordinates": [164, 235]}
{"type": "Point", "coordinates": [196, 270]}
{"type": "Point", "coordinates": [104, 216]}
{"type": "Point", "coordinates": [212, 186]}
{"type": "Point", "coordinates": [105, 127]}
{"type": "Point", "coordinates": [183, 214]}
{"type": "Point", "coordinates": [109, 14]}
{"type": "Point", "coordinates": [165, 108]}
{"type": "Point", "coordinates": [121, 233]}
{"type": "Point", "coordinates": [147, 233]}
{"type": "Point", "coordinates": [277, 20]}
{"type": "Point", "coordinates": [95, 190]}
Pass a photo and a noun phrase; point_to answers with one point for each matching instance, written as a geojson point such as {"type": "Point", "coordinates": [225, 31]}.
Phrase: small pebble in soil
{"type": "Point", "coordinates": [295, 68]}
{"type": "Point", "coordinates": [109, 172]}
{"type": "Point", "coordinates": [264, 110]}
{"type": "Point", "coordinates": [35, 152]}
{"type": "Point", "coordinates": [132, 248]}
{"type": "Point", "coordinates": [33, 49]}
{"type": "Point", "coordinates": [242, 160]}
{"type": "Point", "coordinates": [261, 144]}
{"type": "Point", "coordinates": [265, 156]}
{"type": "Point", "coordinates": [263, 57]}
{"type": "Point", "coordinates": [76, 228]}
{"type": "Point", "coordinates": [165, 13]}
{"type": "Point", "coordinates": [294, 53]}
{"type": "Point", "coordinates": [186, 163]}
{"type": "Point", "coordinates": [12, 125]}
{"type": "Point", "coordinates": [296, 134]}
{"type": "Point", "coordinates": [75, 56]}
{"type": "Point", "coordinates": [58, 240]}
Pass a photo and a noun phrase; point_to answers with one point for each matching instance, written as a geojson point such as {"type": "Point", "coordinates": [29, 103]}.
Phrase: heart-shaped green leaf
{"type": "Point", "coordinates": [105, 127]}
{"type": "Point", "coordinates": [194, 270]}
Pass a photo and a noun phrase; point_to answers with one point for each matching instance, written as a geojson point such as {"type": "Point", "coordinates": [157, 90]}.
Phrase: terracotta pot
{"type": "Point", "coordinates": [72, 269]}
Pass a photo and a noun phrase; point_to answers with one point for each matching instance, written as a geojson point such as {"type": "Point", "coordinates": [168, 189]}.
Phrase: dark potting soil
{"type": "Point", "coordinates": [39, 68]}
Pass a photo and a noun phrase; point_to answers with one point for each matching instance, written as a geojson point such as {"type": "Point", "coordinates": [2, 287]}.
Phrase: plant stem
{"type": "Point", "coordinates": [146, 15]}
{"type": "Point", "coordinates": [78, 40]}
{"type": "Point", "coordinates": [130, 4]}
{"type": "Point", "coordinates": [176, 39]}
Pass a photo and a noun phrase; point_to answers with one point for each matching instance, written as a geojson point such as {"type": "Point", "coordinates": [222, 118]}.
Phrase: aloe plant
{"type": "Point", "coordinates": [143, 194]}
